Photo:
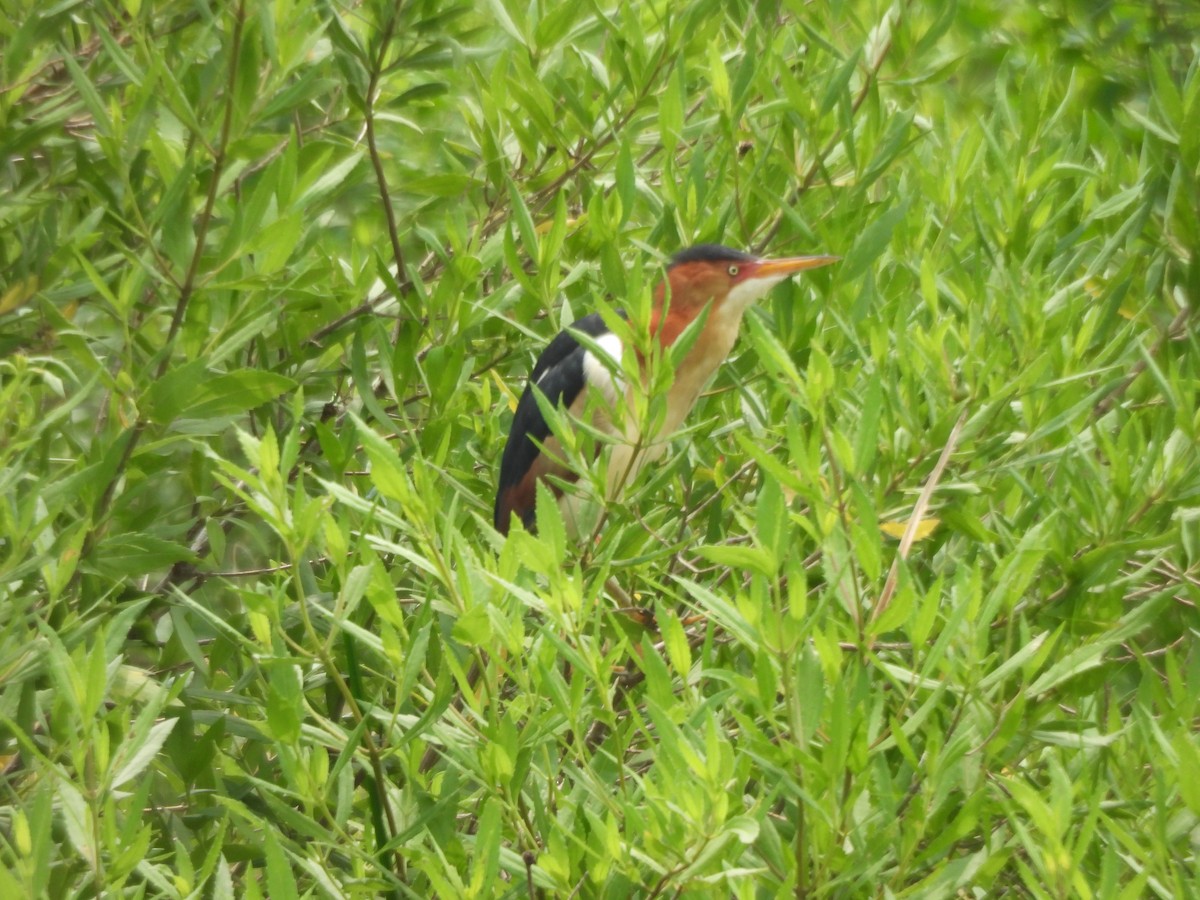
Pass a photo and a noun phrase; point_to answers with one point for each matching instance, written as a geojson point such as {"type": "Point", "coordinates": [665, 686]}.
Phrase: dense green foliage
{"type": "Point", "coordinates": [270, 276]}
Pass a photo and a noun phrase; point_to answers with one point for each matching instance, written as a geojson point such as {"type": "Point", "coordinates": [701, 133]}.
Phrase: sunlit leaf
{"type": "Point", "coordinates": [924, 529]}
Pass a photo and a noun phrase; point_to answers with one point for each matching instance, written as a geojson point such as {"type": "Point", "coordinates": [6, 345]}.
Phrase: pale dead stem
{"type": "Point", "coordinates": [918, 514]}
{"type": "Point", "coordinates": [1172, 572]}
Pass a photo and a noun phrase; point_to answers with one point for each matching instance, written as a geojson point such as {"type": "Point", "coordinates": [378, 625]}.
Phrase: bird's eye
{"type": "Point", "coordinates": [733, 270]}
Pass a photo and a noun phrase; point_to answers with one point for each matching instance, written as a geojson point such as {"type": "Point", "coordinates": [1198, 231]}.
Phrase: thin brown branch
{"type": "Point", "coordinates": [385, 195]}
{"type": "Point", "coordinates": [1176, 328]}
{"type": "Point", "coordinates": [428, 270]}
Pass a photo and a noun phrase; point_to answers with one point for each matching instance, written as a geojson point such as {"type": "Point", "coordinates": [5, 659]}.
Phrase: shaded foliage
{"type": "Point", "coordinates": [271, 275]}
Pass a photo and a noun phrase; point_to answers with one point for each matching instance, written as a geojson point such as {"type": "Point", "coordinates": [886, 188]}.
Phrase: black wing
{"type": "Point", "coordinates": [564, 343]}
{"type": "Point", "coordinates": [558, 373]}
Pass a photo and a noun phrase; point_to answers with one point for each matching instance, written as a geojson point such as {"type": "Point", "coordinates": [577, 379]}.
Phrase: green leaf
{"type": "Point", "coordinates": [835, 88]}
{"type": "Point", "coordinates": [474, 627]}
{"type": "Point", "coordinates": [77, 822]}
{"type": "Point", "coordinates": [506, 23]}
{"type": "Point", "coordinates": [872, 241]}
{"type": "Point", "coordinates": [285, 703]}
{"type": "Point", "coordinates": [626, 181]}
{"type": "Point", "coordinates": [192, 392]}
{"type": "Point", "coordinates": [329, 179]}
{"type": "Point", "coordinates": [281, 884]}
{"type": "Point", "coordinates": [91, 97]}
{"type": "Point", "coordinates": [746, 828]}
{"type": "Point", "coordinates": [524, 220]}
{"type": "Point", "coordinates": [387, 474]}
{"type": "Point", "coordinates": [130, 555]}
{"type": "Point", "coordinates": [145, 753]}
{"type": "Point", "coordinates": [1014, 662]}
{"type": "Point", "coordinates": [718, 77]}
{"type": "Point", "coordinates": [671, 112]}
{"type": "Point", "coordinates": [551, 527]}
{"type": "Point", "coordinates": [772, 352]}
{"type": "Point", "coordinates": [777, 470]}
{"type": "Point", "coordinates": [676, 644]}
{"type": "Point", "coordinates": [1090, 655]}
{"type": "Point", "coordinates": [753, 559]}
{"type": "Point", "coordinates": [866, 440]}
{"type": "Point", "coordinates": [427, 91]}
{"type": "Point", "coordinates": [488, 839]}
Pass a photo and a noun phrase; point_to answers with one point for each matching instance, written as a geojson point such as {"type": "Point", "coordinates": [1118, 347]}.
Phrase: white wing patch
{"type": "Point", "coordinates": [598, 373]}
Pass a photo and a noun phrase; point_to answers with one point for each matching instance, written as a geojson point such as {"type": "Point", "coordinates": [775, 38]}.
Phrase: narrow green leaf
{"type": "Point", "coordinates": [1091, 655]}
{"type": "Point", "coordinates": [506, 23]}
{"type": "Point", "coordinates": [551, 527]}
{"type": "Point", "coordinates": [626, 181]}
{"type": "Point", "coordinates": [676, 644]}
{"type": "Point", "coordinates": [281, 883]}
{"type": "Point", "coordinates": [525, 226]}
{"type": "Point", "coordinates": [753, 559]}
{"type": "Point", "coordinates": [192, 392]}
{"type": "Point", "coordinates": [387, 474]}
{"type": "Point", "coordinates": [91, 97]}
{"type": "Point", "coordinates": [144, 754]}
{"type": "Point", "coordinates": [873, 241]}
{"type": "Point", "coordinates": [130, 555]}
{"type": "Point", "coordinates": [474, 627]}
{"type": "Point", "coordinates": [718, 77]}
{"type": "Point", "coordinates": [77, 822]}
{"type": "Point", "coordinates": [671, 112]}
{"type": "Point", "coordinates": [331, 178]}
{"type": "Point", "coordinates": [773, 354]}
{"type": "Point", "coordinates": [835, 88]}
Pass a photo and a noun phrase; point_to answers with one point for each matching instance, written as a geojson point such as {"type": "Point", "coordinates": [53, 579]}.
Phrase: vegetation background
{"type": "Point", "coordinates": [271, 274]}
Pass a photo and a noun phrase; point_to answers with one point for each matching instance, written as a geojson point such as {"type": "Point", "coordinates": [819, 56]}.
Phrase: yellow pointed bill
{"type": "Point", "coordinates": [781, 268]}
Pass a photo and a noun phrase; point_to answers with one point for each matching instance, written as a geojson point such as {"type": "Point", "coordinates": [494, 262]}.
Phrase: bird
{"type": "Point", "coordinates": [705, 280]}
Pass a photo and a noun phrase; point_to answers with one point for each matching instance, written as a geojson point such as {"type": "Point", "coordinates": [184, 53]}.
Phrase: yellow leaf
{"type": "Point", "coordinates": [506, 391]}
{"type": "Point", "coordinates": [896, 529]}
{"type": "Point", "coordinates": [18, 292]}
{"type": "Point", "coordinates": [545, 226]}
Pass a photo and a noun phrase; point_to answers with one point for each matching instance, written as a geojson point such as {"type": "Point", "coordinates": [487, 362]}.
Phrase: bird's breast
{"type": "Point", "coordinates": [698, 367]}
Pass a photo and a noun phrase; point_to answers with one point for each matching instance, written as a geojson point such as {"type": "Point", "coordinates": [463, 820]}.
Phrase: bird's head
{"type": "Point", "coordinates": [730, 279]}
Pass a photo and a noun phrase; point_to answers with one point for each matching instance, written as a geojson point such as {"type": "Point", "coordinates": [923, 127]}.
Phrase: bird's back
{"type": "Point", "coordinates": [561, 374]}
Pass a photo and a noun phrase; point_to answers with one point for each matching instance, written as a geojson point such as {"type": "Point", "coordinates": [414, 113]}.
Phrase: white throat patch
{"type": "Point", "coordinates": [742, 295]}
